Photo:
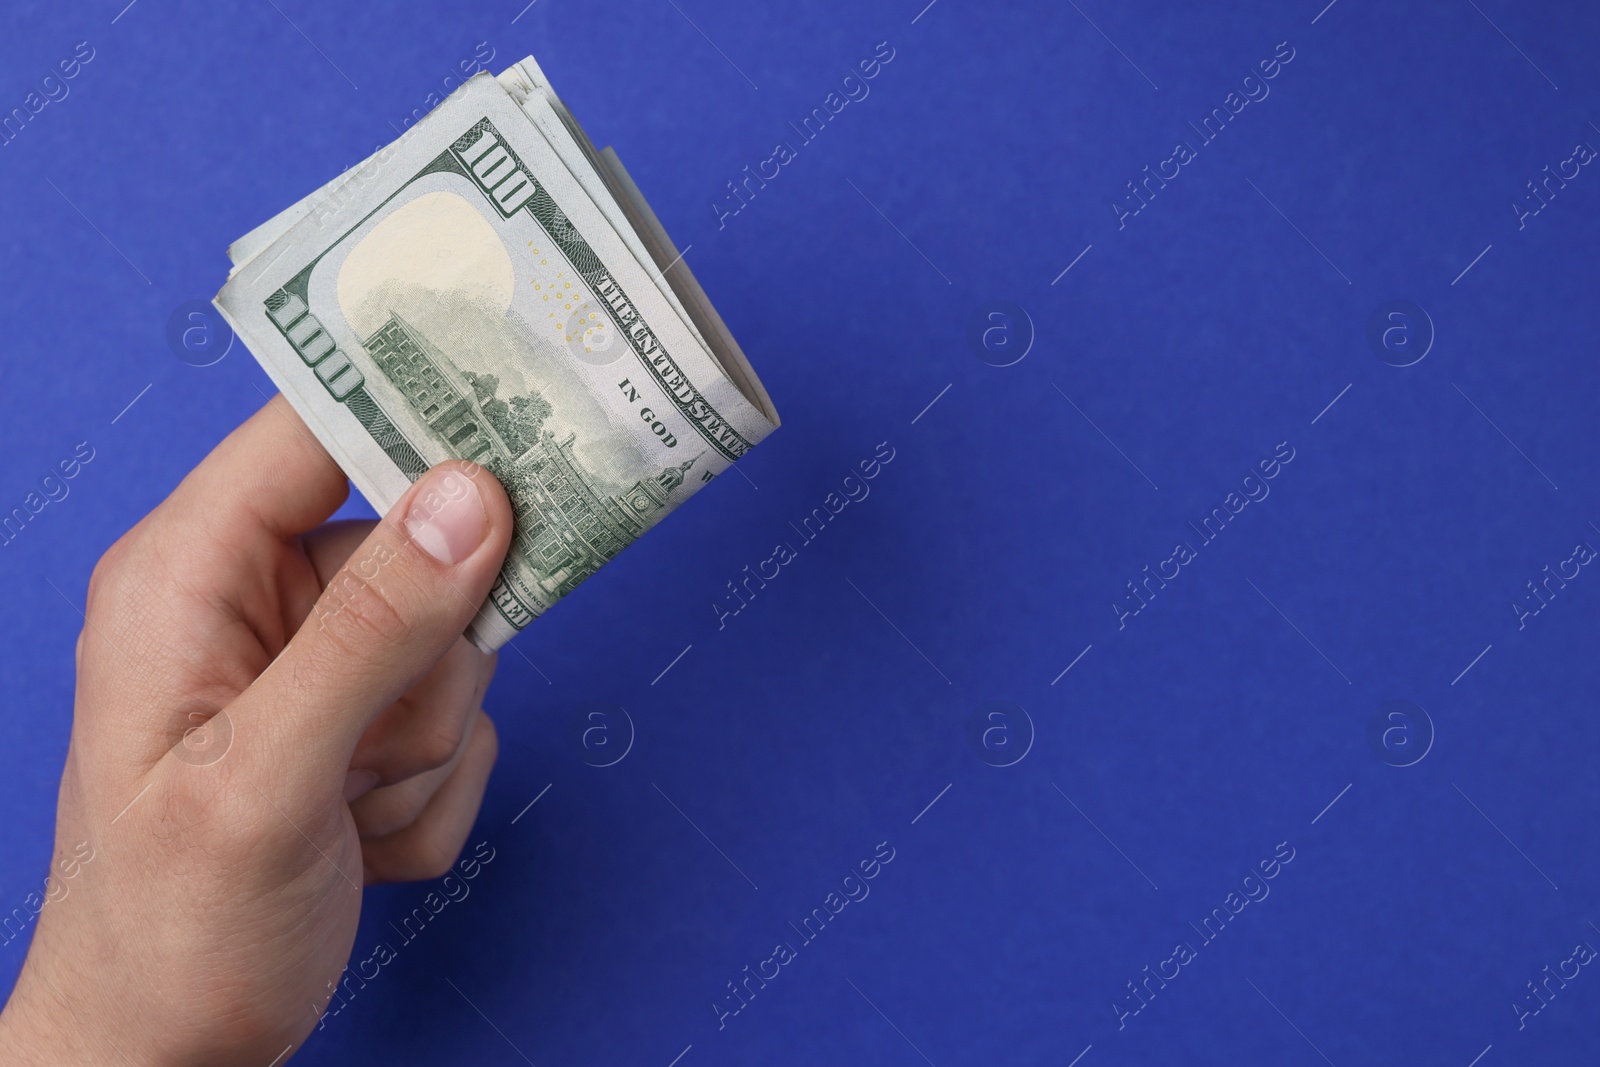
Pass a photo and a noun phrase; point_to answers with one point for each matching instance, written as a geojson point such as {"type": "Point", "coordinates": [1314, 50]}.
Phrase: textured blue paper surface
{"type": "Point", "coordinates": [1357, 609]}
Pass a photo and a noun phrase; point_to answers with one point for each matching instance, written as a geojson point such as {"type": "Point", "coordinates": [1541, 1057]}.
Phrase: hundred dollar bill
{"type": "Point", "coordinates": [495, 290]}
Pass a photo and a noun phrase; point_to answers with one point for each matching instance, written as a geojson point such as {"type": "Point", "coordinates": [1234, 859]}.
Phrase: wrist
{"type": "Point", "coordinates": [56, 1017]}
{"type": "Point", "coordinates": [40, 1027]}
{"type": "Point", "coordinates": [34, 1029]}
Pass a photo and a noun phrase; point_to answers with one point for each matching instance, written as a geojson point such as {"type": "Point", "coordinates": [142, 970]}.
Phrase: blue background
{"type": "Point", "coordinates": [1178, 751]}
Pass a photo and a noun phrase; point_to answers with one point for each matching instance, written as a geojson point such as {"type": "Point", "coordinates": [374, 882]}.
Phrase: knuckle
{"type": "Point", "coordinates": [357, 610]}
{"type": "Point", "coordinates": [434, 857]}
{"type": "Point", "coordinates": [196, 822]}
{"type": "Point", "coordinates": [106, 570]}
{"type": "Point", "coordinates": [488, 737]}
{"type": "Point", "coordinates": [415, 858]}
{"type": "Point", "coordinates": [436, 746]}
{"type": "Point", "coordinates": [388, 811]}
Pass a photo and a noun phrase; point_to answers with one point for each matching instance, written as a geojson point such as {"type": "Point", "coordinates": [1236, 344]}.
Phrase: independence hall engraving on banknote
{"type": "Point", "coordinates": [567, 528]}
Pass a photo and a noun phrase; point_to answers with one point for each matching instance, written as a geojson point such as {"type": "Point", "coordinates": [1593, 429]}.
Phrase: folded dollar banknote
{"type": "Point", "coordinates": [490, 287]}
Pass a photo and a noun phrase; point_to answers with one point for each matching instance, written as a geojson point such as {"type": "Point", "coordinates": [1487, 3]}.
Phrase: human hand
{"type": "Point", "coordinates": [270, 714]}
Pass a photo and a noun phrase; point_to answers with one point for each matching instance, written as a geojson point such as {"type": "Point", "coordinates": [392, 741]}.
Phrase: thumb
{"type": "Point", "coordinates": [386, 618]}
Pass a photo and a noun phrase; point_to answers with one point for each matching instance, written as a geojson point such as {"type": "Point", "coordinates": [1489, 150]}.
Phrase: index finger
{"type": "Point", "coordinates": [270, 474]}
{"type": "Point", "coordinates": [202, 581]}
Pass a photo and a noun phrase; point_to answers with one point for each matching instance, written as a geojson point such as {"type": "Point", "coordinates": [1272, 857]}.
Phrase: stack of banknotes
{"type": "Point", "coordinates": [490, 287]}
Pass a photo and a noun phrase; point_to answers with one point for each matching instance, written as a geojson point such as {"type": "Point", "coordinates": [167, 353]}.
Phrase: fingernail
{"type": "Point", "coordinates": [447, 519]}
{"type": "Point", "coordinates": [358, 784]}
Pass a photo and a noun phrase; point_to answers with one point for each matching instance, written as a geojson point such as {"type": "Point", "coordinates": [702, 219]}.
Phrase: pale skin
{"type": "Point", "coordinates": [335, 739]}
